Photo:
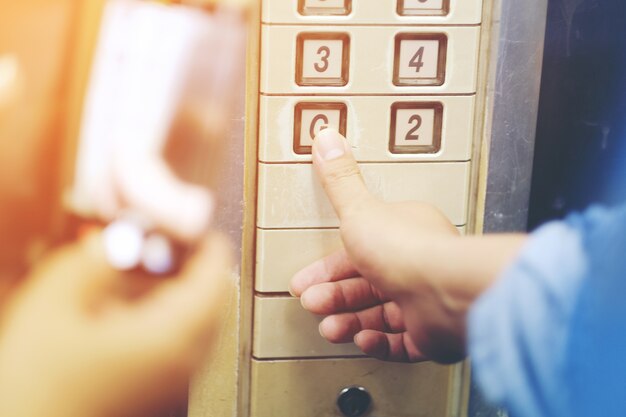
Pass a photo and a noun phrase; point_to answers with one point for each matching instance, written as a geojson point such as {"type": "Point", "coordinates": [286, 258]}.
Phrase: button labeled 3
{"type": "Point", "coordinates": [323, 59]}
{"type": "Point", "coordinates": [310, 118]}
{"type": "Point", "coordinates": [324, 7]}
{"type": "Point", "coordinates": [423, 7]}
{"type": "Point", "coordinates": [416, 127]}
{"type": "Point", "coordinates": [420, 59]}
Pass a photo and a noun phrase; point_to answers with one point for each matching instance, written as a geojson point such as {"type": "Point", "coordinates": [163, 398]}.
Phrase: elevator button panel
{"type": "Point", "coordinates": [399, 79]}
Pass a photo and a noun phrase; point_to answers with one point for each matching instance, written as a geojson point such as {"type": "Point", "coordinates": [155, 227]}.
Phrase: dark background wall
{"type": "Point", "coordinates": [580, 150]}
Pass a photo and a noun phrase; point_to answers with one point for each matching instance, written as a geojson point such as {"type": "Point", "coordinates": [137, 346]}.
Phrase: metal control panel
{"type": "Point", "coordinates": [399, 80]}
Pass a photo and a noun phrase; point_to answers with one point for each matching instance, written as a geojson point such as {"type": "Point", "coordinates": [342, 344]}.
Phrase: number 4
{"type": "Point", "coordinates": [417, 61]}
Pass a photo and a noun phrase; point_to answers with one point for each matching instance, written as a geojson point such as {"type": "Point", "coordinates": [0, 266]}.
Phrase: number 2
{"type": "Point", "coordinates": [417, 61]}
{"type": "Point", "coordinates": [326, 51]}
{"type": "Point", "coordinates": [418, 123]}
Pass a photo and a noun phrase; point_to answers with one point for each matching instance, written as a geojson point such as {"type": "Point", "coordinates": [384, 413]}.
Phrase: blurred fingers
{"type": "Point", "coordinates": [77, 273]}
{"type": "Point", "coordinates": [182, 314]}
{"type": "Point", "coordinates": [150, 187]}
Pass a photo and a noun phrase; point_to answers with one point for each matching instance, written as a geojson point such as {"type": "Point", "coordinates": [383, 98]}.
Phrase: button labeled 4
{"type": "Point", "coordinates": [310, 118]}
{"type": "Point", "coordinates": [420, 59]}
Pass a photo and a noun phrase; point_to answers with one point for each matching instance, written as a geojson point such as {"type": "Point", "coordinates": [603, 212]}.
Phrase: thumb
{"type": "Point", "coordinates": [339, 173]}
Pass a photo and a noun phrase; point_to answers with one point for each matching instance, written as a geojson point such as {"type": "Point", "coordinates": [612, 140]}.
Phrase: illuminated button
{"type": "Point", "coordinates": [323, 59]}
{"type": "Point", "coordinates": [324, 7]}
{"type": "Point", "coordinates": [423, 7]}
{"type": "Point", "coordinates": [416, 128]}
{"type": "Point", "coordinates": [310, 118]}
{"type": "Point", "coordinates": [420, 59]}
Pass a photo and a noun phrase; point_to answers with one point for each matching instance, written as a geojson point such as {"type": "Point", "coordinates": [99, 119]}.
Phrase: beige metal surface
{"type": "Point", "coordinates": [282, 253]}
{"type": "Point", "coordinates": [374, 12]}
{"type": "Point", "coordinates": [283, 329]}
{"type": "Point", "coordinates": [290, 196]}
{"type": "Point", "coordinates": [371, 63]}
{"type": "Point", "coordinates": [307, 388]}
{"type": "Point", "coordinates": [368, 135]}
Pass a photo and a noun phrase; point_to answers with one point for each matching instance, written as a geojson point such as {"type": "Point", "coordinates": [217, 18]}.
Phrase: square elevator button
{"type": "Point", "coordinates": [416, 128]}
{"type": "Point", "coordinates": [420, 59]}
{"type": "Point", "coordinates": [312, 117]}
{"type": "Point", "coordinates": [322, 59]}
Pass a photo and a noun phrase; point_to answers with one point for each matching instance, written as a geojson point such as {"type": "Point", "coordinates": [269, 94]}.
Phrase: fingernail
{"type": "Point", "coordinates": [330, 144]}
{"type": "Point", "coordinates": [291, 291]}
{"type": "Point", "coordinates": [319, 329]}
{"type": "Point", "coordinates": [303, 300]}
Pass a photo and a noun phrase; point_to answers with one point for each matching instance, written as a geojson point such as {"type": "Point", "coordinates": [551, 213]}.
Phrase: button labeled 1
{"type": "Point", "coordinates": [310, 118]}
{"type": "Point", "coordinates": [420, 59]}
{"type": "Point", "coordinates": [323, 59]}
{"type": "Point", "coordinates": [423, 7]}
{"type": "Point", "coordinates": [324, 7]}
{"type": "Point", "coordinates": [416, 128]}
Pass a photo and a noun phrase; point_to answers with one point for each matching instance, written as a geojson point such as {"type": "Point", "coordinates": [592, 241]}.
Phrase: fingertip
{"type": "Point", "coordinates": [372, 343]}
{"type": "Point", "coordinates": [330, 329]}
{"type": "Point", "coordinates": [292, 291]}
{"type": "Point", "coordinates": [329, 144]}
{"type": "Point", "coordinates": [317, 299]}
{"type": "Point", "coordinates": [305, 301]}
{"type": "Point", "coordinates": [321, 330]}
{"type": "Point", "coordinates": [305, 278]}
{"type": "Point", "coordinates": [297, 284]}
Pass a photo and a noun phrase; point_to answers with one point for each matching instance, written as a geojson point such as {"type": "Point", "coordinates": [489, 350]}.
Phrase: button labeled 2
{"type": "Point", "coordinates": [423, 7]}
{"type": "Point", "coordinates": [420, 59]}
{"type": "Point", "coordinates": [324, 7]}
{"type": "Point", "coordinates": [323, 59]}
{"type": "Point", "coordinates": [416, 128]}
{"type": "Point", "coordinates": [310, 118]}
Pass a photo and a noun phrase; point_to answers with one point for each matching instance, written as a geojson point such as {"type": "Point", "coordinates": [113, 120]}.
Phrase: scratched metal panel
{"type": "Point", "coordinates": [513, 97]}
{"type": "Point", "coordinates": [515, 100]}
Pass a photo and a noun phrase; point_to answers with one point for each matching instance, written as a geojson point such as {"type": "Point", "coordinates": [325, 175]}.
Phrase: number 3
{"type": "Point", "coordinates": [326, 51]}
{"type": "Point", "coordinates": [418, 123]}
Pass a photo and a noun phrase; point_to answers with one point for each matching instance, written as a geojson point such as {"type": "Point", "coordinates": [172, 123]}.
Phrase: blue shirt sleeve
{"type": "Point", "coordinates": [526, 334]}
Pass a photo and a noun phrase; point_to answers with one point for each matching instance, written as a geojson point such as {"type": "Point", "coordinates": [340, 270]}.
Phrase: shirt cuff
{"type": "Point", "coordinates": [517, 330]}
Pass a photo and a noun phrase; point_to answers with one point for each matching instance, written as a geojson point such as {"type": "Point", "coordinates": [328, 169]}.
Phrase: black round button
{"type": "Point", "coordinates": [354, 401]}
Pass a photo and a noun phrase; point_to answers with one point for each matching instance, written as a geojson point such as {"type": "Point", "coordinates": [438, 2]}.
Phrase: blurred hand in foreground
{"type": "Point", "coordinates": [79, 339]}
